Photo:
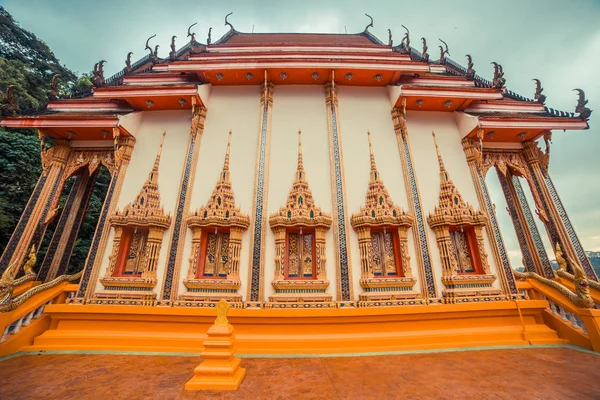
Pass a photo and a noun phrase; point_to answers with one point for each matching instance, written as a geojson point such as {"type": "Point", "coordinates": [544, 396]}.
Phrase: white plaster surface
{"type": "Point", "coordinates": [299, 107]}
{"type": "Point", "coordinates": [147, 128]}
{"type": "Point", "coordinates": [363, 109]}
{"type": "Point", "coordinates": [235, 108]}
{"type": "Point", "coordinates": [420, 125]}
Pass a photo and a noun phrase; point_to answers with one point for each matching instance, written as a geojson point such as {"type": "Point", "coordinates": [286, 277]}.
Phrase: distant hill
{"type": "Point", "coordinates": [594, 257]}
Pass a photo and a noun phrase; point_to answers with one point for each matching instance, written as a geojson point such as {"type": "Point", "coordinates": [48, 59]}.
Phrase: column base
{"type": "Point", "coordinates": [216, 382]}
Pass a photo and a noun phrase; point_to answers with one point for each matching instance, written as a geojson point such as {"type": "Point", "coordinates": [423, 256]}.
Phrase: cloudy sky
{"type": "Point", "coordinates": [557, 42]}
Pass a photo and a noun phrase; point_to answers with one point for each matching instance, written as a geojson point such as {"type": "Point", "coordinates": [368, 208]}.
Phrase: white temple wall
{"type": "Point", "coordinates": [420, 125]}
{"type": "Point", "coordinates": [363, 109]}
{"type": "Point", "coordinates": [147, 128]}
{"type": "Point", "coordinates": [235, 108]}
{"type": "Point", "coordinates": [299, 107]}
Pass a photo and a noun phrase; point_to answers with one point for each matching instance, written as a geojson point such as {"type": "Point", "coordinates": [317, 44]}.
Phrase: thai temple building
{"type": "Point", "coordinates": [331, 188]}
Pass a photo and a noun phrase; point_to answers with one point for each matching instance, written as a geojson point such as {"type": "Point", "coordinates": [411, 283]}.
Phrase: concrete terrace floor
{"type": "Point", "coordinates": [536, 373]}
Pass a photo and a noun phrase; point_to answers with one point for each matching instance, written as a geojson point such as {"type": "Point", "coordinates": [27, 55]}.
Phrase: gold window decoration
{"type": "Point", "coordinates": [459, 235]}
{"type": "Point", "coordinates": [382, 230]}
{"type": "Point", "coordinates": [217, 230]}
{"type": "Point", "coordinates": [139, 230]}
{"type": "Point", "coordinates": [299, 228]}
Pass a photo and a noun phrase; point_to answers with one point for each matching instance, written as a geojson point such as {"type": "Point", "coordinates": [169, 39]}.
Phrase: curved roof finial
{"type": "Point", "coordinates": [443, 52]}
{"type": "Point", "coordinates": [148, 47]}
{"type": "Point", "coordinates": [128, 62]}
{"type": "Point", "coordinates": [424, 53]}
{"type": "Point", "coordinates": [584, 112]}
{"type": "Point", "coordinates": [228, 23]}
{"type": "Point", "coordinates": [539, 97]}
{"type": "Point", "coordinates": [470, 70]}
{"type": "Point", "coordinates": [406, 39]}
{"type": "Point", "coordinates": [191, 34]}
{"type": "Point", "coordinates": [370, 24]}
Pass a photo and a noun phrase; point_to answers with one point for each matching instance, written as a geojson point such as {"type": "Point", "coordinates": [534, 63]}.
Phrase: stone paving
{"type": "Point", "coordinates": [540, 373]}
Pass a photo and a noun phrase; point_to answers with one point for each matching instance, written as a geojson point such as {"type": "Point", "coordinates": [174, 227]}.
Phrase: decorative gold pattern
{"type": "Point", "coordinates": [223, 224]}
{"type": "Point", "coordinates": [299, 214]}
{"type": "Point", "coordinates": [378, 223]}
{"type": "Point", "coordinates": [222, 308]}
{"type": "Point", "coordinates": [451, 222]}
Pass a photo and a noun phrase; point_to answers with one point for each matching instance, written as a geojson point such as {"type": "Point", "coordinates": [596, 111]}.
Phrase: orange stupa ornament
{"type": "Point", "coordinates": [220, 369]}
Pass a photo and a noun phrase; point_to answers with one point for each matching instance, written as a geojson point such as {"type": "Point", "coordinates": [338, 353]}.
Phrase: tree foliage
{"type": "Point", "coordinates": [28, 64]}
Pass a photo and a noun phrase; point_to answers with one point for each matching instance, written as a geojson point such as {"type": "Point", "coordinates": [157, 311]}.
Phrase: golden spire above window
{"type": "Point", "coordinates": [221, 209]}
{"type": "Point", "coordinates": [300, 206]}
{"type": "Point", "coordinates": [452, 208]}
{"type": "Point", "coordinates": [146, 208]}
{"type": "Point", "coordinates": [379, 207]}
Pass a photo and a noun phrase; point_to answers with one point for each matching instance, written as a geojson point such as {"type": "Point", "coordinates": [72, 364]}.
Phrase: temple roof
{"type": "Point", "coordinates": [299, 39]}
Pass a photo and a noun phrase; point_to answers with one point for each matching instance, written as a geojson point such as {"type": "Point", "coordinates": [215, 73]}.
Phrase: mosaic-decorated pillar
{"type": "Point", "coordinates": [177, 240]}
{"type": "Point", "coordinates": [573, 238]}
{"type": "Point", "coordinates": [31, 225]}
{"type": "Point", "coordinates": [428, 290]}
{"type": "Point", "coordinates": [60, 248]}
{"type": "Point", "coordinates": [340, 227]}
{"type": "Point", "coordinates": [474, 160]}
{"type": "Point", "coordinates": [558, 224]}
{"type": "Point", "coordinates": [518, 220]}
{"type": "Point", "coordinates": [539, 252]}
{"type": "Point", "coordinates": [258, 228]}
{"type": "Point", "coordinates": [98, 247]}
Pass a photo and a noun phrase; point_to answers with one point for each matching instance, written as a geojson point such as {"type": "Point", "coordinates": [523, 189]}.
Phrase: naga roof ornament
{"type": "Point", "coordinates": [583, 111]}
{"type": "Point", "coordinates": [231, 28]}
{"type": "Point", "coordinates": [370, 25]}
{"type": "Point", "coordinates": [406, 40]}
{"type": "Point", "coordinates": [498, 81]}
{"type": "Point", "coordinates": [173, 53]}
{"type": "Point", "coordinates": [470, 71]}
{"type": "Point", "coordinates": [443, 52]}
{"type": "Point", "coordinates": [539, 97]}
{"type": "Point", "coordinates": [424, 53]}
{"type": "Point", "coordinates": [128, 62]}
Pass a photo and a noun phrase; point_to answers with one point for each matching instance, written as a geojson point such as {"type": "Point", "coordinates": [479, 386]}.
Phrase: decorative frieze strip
{"type": "Point", "coordinates": [537, 240]}
{"type": "Point", "coordinates": [582, 257]}
{"type": "Point", "coordinates": [513, 211]}
{"type": "Point", "coordinates": [414, 201]}
{"type": "Point", "coordinates": [305, 305]}
{"type": "Point", "coordinates": [344, 278]}
{"type": "Point", "coordinates": [259, 224]}
{"type": "Point", "coordinates": [171, 276]}
{"type": "Point", "coordinates": [98, 246]}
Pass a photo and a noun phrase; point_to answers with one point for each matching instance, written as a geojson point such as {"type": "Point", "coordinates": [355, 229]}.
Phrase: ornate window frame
{"type": "Point", "coordinates": [300, 212]}
{"type": "Point", "coordinates": [222, 215]}
{"type": "Point", "coordinates": [453, 213]}
{"type": "Point", "coordinates": [146, 213]}
{"type": "Point", "coordinates": [381, 214]}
